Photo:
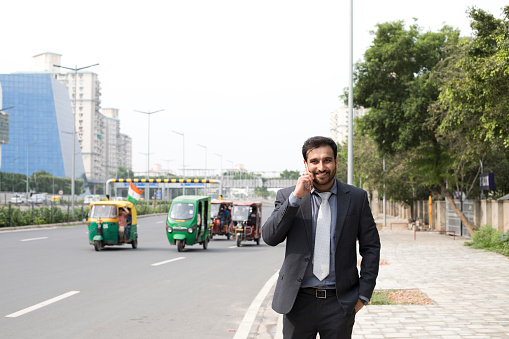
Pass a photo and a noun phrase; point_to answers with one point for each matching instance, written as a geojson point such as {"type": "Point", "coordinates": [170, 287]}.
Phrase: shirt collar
{"type": "Point", "coordinates": [333, 189]}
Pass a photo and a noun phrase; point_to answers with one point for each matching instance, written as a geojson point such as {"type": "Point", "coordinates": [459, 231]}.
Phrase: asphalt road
{"type": "Point", "coordinates": [55, 285]}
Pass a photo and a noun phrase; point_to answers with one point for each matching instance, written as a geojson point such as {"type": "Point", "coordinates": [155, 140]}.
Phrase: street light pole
{"type": "Point", "coordinates": [350, 102]}
{"type": "Point", "coordinates": [183, 162]}
{"type": "Point", "coordinates": [221, 183]}
{"type": "Point", "coordinates": [167, 191]}
{"type": "Point", "coordinates": [147, 193]}
{"type": "Point", "coordinates": [75, 69]}
{"type": "Point", "coordinates": [13, 160]}
{"type": "Point", "coordinates": [206, 177]}
{"type": "Point", "coordinates": [53, 175]}
{"type": "Point", "coordinates": [28, 145]}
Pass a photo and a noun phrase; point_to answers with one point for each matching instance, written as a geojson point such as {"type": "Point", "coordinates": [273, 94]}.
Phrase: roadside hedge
{"type": "Point", "coordinates": [14, 216]}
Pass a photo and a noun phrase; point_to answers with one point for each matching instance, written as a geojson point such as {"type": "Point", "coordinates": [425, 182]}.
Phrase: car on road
{"type": "Point", "coordinates": [17, 199]}
{"type": "Point", "coordinates": [38, 199]}
{"type": "Point", "coordinates": [89, 199]}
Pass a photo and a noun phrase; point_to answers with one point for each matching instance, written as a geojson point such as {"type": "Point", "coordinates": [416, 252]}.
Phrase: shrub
{"type": "Point", "coordinates": [490, 239]}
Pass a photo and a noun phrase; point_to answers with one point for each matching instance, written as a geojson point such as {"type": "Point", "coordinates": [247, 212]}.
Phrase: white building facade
{"type": "Point", "coordinates": [339, 122]}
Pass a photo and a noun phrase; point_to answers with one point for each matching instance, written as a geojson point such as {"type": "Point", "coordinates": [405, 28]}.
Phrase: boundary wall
{"type": "Point", "coordinates": [485, 212]}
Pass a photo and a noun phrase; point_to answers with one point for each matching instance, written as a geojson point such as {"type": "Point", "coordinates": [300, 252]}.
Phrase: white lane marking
{"type": "Point", "coordinates": [252, 311]}
{"type": "Point", "coordinates": [167, 261]}
{"type": "Point", "coordinates": [159, 222]}
{"type": "Point", "coordinates": [40, 305]}
{"type": "Point", "coordinates": [233, 246]}
{"type": "Point", "coordinates": [34, 239]}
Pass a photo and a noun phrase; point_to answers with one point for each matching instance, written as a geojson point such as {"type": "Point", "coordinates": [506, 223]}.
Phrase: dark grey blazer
{"type": "Point", "coordinates": [354, 222]}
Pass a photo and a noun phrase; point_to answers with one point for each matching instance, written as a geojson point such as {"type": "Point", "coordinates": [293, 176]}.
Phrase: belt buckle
{"type": "Point", "coordinates": [321, 294]}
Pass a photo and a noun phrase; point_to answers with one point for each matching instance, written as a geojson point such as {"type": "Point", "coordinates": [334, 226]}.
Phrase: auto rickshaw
{"type": "Point", "coordinates": [220, 213]}
{"type": "Point", "coordinates": [112, 223]}
{"type": "Point", "coordinates": [247, 218]}
{"type": "Point", "coordinates": [188, 221]}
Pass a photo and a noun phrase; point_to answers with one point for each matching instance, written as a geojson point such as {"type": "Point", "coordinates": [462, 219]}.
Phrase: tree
{"type": "Point", "coordinates": [396, 82]}
{"type": "Point", "coordinates": [124, 173]}
{"type": "Point", "coordinates": [475, 90]}
{"type": "Point", "coordinates": [262, 191]}
{"type": "Point", "coordinates": [286, 174]}
{"type": "Point", "coordinates": [45, 182]}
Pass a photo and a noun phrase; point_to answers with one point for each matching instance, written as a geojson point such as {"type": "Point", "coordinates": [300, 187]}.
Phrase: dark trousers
{"type": "Point", "coordinates": [311, 315]}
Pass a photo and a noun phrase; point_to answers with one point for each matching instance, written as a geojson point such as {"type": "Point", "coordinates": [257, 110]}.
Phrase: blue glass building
{"type": "Point", "coordinates": [41, 115]}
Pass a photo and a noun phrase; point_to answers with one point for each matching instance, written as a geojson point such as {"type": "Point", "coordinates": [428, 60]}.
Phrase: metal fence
{"type": "Point", "coordinates": [453, 222]}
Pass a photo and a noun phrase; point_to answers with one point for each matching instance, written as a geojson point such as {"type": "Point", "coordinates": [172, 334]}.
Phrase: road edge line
{"type": "Point", "coordinates": [252, 311]}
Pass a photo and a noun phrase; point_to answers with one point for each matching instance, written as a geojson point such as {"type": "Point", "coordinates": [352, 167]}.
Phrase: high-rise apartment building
{"type": "Point", "coordinates": [98, 132]}
{"type": "Point", "coordinates": [339, 122]}
{"type": "Point", "coordinates": [85, 92]}
{"type": "Point", "coordinates": [111, 140]}
{"type": "Point", "coordinates": [118, 147]}
{"type": "Point", "coordinates": [125, 151]}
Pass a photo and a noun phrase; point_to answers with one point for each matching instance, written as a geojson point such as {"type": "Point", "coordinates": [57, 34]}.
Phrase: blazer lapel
{"type": "Point", "coordinates": [305, 208]}
{"type": "Point", "coordinates": [343, 201]}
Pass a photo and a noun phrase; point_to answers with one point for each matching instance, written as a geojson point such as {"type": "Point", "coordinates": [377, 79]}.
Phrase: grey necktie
{"type": "Point", "coordinates": [322, 238]}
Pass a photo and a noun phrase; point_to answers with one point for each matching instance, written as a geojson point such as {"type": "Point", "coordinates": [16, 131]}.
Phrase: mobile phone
{"type": "Point", "coordinates": [307, 170]}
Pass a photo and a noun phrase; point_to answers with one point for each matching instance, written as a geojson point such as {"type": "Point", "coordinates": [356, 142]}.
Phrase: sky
{"type": "Point", "coordinates": [249, 80]}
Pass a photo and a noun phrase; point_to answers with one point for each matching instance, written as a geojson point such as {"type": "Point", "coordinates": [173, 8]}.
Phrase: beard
{"type": "Point", "coordinates": [328, 176]}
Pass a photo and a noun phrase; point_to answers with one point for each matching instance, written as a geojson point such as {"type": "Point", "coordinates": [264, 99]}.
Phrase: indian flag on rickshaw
{"type": "Point", "coordinates": [134, 193]}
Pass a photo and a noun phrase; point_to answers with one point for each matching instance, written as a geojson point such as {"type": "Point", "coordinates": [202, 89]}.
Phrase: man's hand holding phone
{"type": "Point", "coordinates": [304, 184]}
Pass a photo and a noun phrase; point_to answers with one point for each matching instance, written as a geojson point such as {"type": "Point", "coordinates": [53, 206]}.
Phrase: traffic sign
{"type": "Point", "coordinates": [60, 192]}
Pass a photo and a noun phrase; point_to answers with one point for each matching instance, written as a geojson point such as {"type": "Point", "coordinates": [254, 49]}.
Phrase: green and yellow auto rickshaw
{"type": "Point", "coordinates": [112, 223]}
{"type": "Point", "coordinates": [187, 221]}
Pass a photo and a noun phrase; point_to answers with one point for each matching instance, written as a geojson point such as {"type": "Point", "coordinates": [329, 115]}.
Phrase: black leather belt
{"type": "Point", "coordinates": [319, 293]}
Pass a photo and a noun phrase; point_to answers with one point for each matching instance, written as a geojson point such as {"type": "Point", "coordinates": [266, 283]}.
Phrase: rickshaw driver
{"type": "Point", "coordinates": [122, 223]}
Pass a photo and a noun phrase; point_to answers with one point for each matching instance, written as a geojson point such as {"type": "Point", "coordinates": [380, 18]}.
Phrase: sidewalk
{"type": "Point", "coordinates": [470, 289]}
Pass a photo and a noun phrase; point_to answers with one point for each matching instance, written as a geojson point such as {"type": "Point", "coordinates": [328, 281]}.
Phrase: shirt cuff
{"type": "Point", "coordinates": [363, 298]}
{"type": "Point", "coordinates": [293, 201]}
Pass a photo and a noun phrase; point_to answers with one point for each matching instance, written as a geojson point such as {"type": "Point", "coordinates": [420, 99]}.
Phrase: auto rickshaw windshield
{"type": "Point", "coordinates": [103, 211]}
{"type": "Point", "coordinates": [240, 213]}
{"type": "Point", "coordinates": [214, 210]}
{"type": "Point", "coordinates": [181, 210]}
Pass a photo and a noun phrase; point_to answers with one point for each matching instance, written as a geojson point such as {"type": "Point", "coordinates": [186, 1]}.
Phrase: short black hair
{"type": "Point", "coordinates": [316, 142]}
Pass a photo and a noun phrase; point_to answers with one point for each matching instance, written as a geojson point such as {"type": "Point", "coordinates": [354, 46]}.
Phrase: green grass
{"type": "Point", "coordinates": [381, 298]}
{"type": "Point", "coordinates": [490, 239]}
{"type": "Point", "coordinates": [400, 297]}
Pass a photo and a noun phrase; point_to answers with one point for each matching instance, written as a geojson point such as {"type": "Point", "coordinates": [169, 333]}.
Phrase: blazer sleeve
{"type": "Point", "coordinates": [276, 227]}
{"type": "Point", "coordinates": [369, 249]}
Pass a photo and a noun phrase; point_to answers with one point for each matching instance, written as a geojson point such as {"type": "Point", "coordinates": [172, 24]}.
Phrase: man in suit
{"type": "Point", "coordinates": [319, 289]}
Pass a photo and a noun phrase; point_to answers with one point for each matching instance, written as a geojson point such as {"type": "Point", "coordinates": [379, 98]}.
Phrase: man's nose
{"type": "Point", "coordinates": [321, 166]}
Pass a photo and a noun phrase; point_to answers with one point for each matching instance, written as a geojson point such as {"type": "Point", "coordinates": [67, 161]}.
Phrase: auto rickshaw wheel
{"type": "Point", "coordinates": [238, 239]}
{"type": "Point", "coordinates": [98, 245]}
{"type": "Point", "coordinates": [180, 245]}
{"type": "Point", "coordinates": [134, 243]}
